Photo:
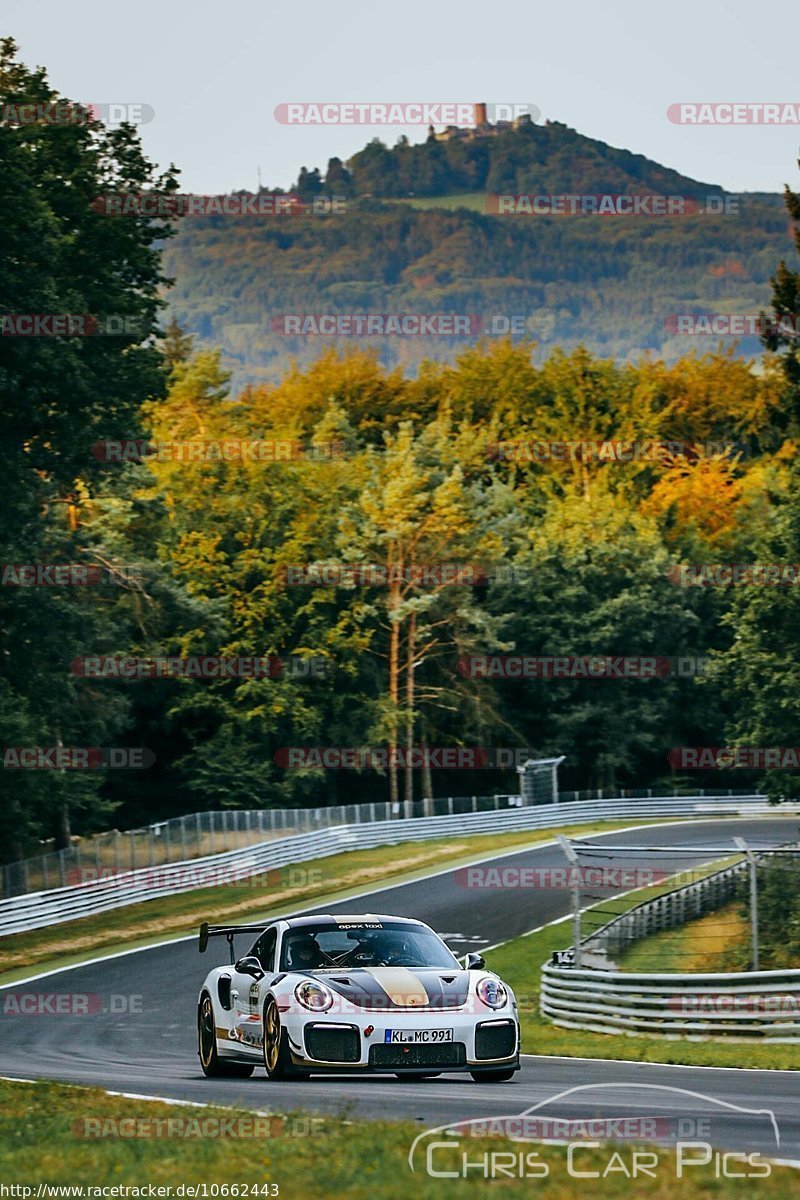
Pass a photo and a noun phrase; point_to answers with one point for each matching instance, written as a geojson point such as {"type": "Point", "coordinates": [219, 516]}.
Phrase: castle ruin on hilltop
{"type": "Point", "coordinates": [482, 128]}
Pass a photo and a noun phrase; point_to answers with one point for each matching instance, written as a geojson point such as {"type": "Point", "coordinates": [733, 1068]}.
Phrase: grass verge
{"type": "Point", "coordinates": [43, 1140]}
{"type": "Point", "coordinates": [261, 896]}
{"type": "Point", "coordinates": [474, 201]}
{"type": "Point", "coordinates": [702, 945]}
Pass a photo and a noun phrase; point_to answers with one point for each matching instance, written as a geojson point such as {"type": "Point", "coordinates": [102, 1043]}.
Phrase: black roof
{"type": "Point", "coordinates": [325, 919]}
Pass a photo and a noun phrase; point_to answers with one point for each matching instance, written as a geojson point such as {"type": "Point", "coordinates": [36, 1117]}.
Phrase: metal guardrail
{"type": "Point", "coordinates": [116, 889]}
{"type": "Point", "coordinates": [668, 911]}
{"type": "Point", "coordinates": [749, 1005]}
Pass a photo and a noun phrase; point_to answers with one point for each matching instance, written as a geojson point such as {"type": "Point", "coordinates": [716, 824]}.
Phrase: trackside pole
{"type": "Point", "coordinates": [575, 890]}
{"type": "Point", "coordinates": [753, 866]}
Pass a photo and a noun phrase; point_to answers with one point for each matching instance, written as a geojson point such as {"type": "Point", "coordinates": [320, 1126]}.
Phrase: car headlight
{"type": "Point", "coordinates": [492, 993]}
{"type": "Point", "coordinates": [314, 996]}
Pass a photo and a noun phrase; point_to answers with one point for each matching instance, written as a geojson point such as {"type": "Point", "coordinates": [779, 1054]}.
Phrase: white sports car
{"type": "Point", "coordinates": [362, 993]}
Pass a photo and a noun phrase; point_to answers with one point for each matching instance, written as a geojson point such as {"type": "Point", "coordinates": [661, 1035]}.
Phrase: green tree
{"type": "Point", "coordinates": [58, 396]}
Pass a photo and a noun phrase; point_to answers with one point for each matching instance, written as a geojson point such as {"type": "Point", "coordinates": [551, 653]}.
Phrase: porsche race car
{"type": "Point", "coordinates": [357, 994]}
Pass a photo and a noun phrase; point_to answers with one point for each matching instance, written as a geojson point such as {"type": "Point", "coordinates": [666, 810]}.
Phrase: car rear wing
{"type": "Point", "coordinates": [228, 931]}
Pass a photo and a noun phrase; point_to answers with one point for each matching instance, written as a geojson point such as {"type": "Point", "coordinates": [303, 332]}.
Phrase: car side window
{"type": "Point", "coordinates": [264, 949]}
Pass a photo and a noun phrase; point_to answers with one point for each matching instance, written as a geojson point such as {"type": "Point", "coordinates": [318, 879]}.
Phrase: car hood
{"type": "Point", "coordinates": [401, 987]}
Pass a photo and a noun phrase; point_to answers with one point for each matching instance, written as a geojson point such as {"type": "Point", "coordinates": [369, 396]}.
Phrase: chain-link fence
{"type": "Point", "coordinates": [626, 898]}
{"type": "Point", "coordinates": [197, 835]}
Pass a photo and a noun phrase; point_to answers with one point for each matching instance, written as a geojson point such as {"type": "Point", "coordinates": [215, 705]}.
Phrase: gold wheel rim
{"type": "Point", "coordinates": [206, 1031]}
{"type": "Point", "coordinates": [271, 1036]}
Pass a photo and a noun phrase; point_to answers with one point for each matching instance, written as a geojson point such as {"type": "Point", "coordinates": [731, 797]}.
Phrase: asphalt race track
{"type": "Point", "coordinates": [151, 1051]}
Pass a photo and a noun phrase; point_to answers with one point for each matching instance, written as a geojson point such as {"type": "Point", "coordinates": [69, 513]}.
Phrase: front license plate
{"type": "Point", "coordinates": [418, 1035]}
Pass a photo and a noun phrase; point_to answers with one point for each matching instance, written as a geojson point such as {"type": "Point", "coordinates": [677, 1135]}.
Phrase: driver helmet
{"type": "Point", "coordinates": [304, 952]}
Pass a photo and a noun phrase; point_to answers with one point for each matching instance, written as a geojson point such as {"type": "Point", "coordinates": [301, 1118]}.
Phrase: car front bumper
{"type": "Point", "coordinates": [364, 1043]}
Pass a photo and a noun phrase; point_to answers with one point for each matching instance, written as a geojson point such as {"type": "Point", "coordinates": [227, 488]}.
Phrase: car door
{"type": "Point", "coordinates": [246, 993]}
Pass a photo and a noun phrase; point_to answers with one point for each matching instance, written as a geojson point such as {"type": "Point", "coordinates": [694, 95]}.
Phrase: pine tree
{"type": "Point", "coordinates": [177, 346]}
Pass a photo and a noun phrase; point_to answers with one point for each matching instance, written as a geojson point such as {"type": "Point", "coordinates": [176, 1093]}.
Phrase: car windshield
{"type": "Point", "coordinates": [354, 944]}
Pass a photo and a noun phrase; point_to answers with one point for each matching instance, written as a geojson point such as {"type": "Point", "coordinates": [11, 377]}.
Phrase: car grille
{"type": "Point", "coordinates": [332, 1044]}
{"type": "Point", "coordinates": [449, 1054]}
{"type": "Point", "coordinates": [495, 1040]}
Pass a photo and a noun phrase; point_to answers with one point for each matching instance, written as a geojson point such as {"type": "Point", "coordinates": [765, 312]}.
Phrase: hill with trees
{"type": "Point", "coordinates": [418, 232]}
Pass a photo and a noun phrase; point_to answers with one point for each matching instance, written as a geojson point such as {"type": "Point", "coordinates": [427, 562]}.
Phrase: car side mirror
{"type": "Point", "coordinates": [475, 962]}
{"type": "Point", "coordinates": [249, 965]}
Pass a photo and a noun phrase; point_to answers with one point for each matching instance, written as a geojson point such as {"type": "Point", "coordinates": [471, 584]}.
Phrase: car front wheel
{"type": "Point", "coordinates": [277, 1058]}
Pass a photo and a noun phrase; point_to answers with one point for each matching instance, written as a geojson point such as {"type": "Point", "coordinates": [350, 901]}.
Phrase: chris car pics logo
{"type": "Point", "coordinates": [602, 1136]}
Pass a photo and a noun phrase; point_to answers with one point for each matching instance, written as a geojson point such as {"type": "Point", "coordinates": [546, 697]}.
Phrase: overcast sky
{"type": "Point", "coordinates": [214, 73]}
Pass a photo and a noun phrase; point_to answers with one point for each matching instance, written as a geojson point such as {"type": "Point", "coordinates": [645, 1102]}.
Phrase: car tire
{"type": "Point", "coordinates": [212, 1065]}
{"type": "Point", "coordinates": [501, 1075]}
{"type": "Point", "coordinates": [277, 1056]}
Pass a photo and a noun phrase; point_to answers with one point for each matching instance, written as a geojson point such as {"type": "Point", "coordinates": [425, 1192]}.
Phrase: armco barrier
{"type": "Point", "coordinates": [32, 911]}
{"type": "Point", "coordinates": [669, 911]}
{"type": "Point", "coordinates": [749, 1005]}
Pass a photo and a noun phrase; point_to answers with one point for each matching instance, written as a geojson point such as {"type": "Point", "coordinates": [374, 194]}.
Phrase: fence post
{"type": "Point", "coordinates": [753, 868]}
{"type": "Point", "coordinates": [575, 891]}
